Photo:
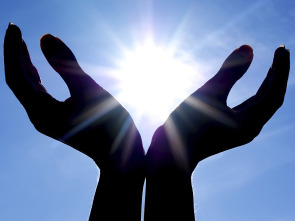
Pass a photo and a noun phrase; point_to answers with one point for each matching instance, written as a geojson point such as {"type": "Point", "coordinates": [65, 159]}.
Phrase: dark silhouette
{"type": "Point", "coordinates": [93, 122]}
{"type": "Point", "coordinates": [203, 125]}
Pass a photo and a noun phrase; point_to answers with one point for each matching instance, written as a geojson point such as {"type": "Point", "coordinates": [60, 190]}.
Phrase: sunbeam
{"type": "Point", "coordinates": [153, 79]}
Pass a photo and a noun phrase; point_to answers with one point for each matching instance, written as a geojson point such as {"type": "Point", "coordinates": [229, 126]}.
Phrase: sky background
{"type": "Point", "coordinates": [42, 179]}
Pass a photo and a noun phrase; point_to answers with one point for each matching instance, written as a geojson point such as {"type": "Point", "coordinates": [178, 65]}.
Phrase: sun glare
{"type": "Point", "coordinates": [153, 80]}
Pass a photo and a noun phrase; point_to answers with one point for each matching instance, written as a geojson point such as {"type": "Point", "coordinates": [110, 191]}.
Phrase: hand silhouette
{"type": "Point", "coordinates": [203, 125]}
{"type": "Point", "coordinates": [91, 121]}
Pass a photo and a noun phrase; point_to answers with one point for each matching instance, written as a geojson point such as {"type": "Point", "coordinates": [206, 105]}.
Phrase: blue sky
{"type": "Point", "coordinates": [42, 179]}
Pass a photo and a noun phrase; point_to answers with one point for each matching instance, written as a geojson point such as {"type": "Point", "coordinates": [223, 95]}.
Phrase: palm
{"type": "Point", "coordinates": [86, 128]}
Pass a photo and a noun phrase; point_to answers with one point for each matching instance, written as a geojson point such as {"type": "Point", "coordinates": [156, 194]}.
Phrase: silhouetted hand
{"type": "Point", "coordinates": [203, 125]}
{"type": "Point", "coordinates": [91, 120]}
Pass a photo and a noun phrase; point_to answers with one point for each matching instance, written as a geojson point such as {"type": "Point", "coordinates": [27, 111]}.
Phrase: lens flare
{"type": "Point", "coordinates": [153, 80]}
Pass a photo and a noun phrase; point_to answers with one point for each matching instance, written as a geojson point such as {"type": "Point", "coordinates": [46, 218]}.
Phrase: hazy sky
{"type": "Point", "coordinates": [42, 179]}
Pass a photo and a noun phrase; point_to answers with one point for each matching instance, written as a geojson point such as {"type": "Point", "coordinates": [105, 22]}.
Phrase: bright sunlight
{"type": "Point", "coordinates": [153, 80]}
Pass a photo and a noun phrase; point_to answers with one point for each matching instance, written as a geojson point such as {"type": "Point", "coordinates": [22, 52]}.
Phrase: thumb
{"type": "Point", "coordinates": [63, 61]}
{"type": "Point", "coordinates": [233, 68]}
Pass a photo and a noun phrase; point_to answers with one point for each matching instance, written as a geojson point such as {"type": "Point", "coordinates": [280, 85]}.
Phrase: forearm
{"type": "Point", "coordinates": [118, 197]}
{"type": "Point", "coordinates": [119, 192]}
{"type": "Point", "coordinates": [169, 197]}
{"type": "Point", "coordinates": [169, 194]}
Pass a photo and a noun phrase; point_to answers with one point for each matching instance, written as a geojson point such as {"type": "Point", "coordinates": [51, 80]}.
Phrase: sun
{"type": "Point", "coordinates": [154, 79]}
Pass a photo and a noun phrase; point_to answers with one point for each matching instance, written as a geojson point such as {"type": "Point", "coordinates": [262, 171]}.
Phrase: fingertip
{"type": "Point", "coordinates": [48, 39]}
{"type": "Point", "coordinates": [12, 43]}
{"type": "Point", "coordinates": [45, 37]}
{"type": "Point", "coordinates": [13, 28]}
{"type": "Point", "coordinates": [246, 51]}
{"type": "Point", "coordinates": [239, 58]}
{"type": "Point", "coordinates": [246, 47]}
{"type": "Point", "coordinates": [13, 32]}
{"type": "Point", "coordinates": [279, 52]}
{"type": "Point", "coordinates": [281, 48]}
{"type": "Point", "coordinates": [50, 44]}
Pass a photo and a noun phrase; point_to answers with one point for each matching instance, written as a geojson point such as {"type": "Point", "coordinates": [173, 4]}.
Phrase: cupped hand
{"type": "Point", "coordinates": [203, 124]}
{"type": "Point", "coordinates": [90, 120]}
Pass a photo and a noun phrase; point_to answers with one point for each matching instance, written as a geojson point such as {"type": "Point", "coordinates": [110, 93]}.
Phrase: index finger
{"type": "Point", "coordinates": [21, 76]}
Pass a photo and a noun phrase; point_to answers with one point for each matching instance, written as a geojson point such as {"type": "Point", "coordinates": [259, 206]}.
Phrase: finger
{"type": "Point", "coordinates": [271, 93]}
{"type": "Point", "coordinates": [63, 61]}
{"type": "Point", "coordinates": [249, 103]}
{"type": "Point", "coordinates": [270, 75]}
{"type": "Point", "coordinates": [21, 76]}
{"type": "Point", "coordinates": [15, 72]}
{"type": "Point", "coordinates": [234, 67]}
{"type": "Point", "coordinates": [32, 71]}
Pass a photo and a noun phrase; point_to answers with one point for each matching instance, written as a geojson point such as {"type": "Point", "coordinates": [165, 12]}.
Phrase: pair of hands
{"type": "Point", "coordinates": [93, 122]}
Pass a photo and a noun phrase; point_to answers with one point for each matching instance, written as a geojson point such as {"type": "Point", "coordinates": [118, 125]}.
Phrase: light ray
{"type": "Point", "coordinates": [154, 80]}
{"type": "Point", "coordinates": [246, 13]}
{"type": "Point", "coordinates": [211, 111]}
{"type": "Point", "coordinates": [177, 147]}
{"type": "Point", "coordinates": [90, 116]}
{"type": "Point", "coordinates": [122, 133]}
{"type": "Point", "coordinates": [180, 30]}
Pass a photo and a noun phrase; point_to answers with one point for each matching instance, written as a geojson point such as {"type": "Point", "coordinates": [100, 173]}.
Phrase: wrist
{"type": "Point", "coordinates": [118, 197]}
{"type": "Point", "coordinates": [122, 160]}
{"type": "Point", "coordinates": [166, 157]}
{"type": "Point", "coordinates": [119, 192]}
{"type": "Point", "coordinates": [118, 179]}
{"type": "Point", "coordinates": [169, 197]}
{"type": "Point", "coordinates": [169, 194]}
